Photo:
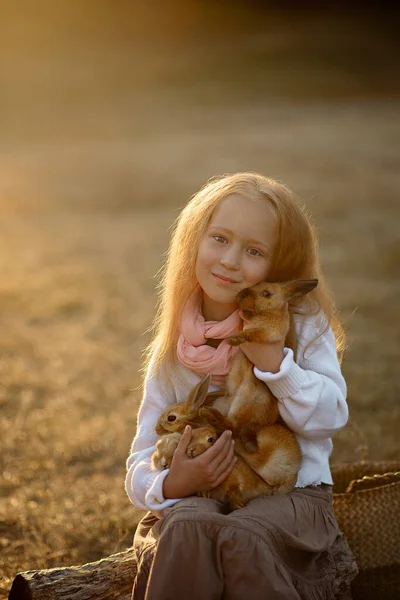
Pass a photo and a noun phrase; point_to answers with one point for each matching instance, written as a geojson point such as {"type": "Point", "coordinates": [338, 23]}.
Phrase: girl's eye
{"type": "Point", "coordinates": [254, 252]}
{"type": "Point", "coordinates": [171, 418]}
{"type": "Point", "coordinates": [265, 294]}
{"type": "Point", "coordinates": [219, 238]}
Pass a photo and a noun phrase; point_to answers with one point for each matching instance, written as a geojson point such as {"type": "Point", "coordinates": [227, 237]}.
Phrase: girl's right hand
{"type": "Point", "coordinates": [187, 476]}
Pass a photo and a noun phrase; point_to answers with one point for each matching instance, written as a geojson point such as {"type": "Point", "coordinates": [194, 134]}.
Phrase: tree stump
{"type": "Point", "coordinates": [110, 578]}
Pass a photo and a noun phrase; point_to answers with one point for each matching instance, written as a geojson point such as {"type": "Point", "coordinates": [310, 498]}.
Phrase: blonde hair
{"type": "Point", "coordinates": [295, 257]}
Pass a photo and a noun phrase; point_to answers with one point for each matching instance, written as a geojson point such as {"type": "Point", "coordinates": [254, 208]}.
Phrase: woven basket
{"type": "Point", "coordinates": [366, 500]}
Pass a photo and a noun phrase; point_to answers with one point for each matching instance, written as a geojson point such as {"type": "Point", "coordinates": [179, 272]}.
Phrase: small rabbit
{"type": "Point", "coordinates": [176, 416]}
{"type": "Point", "coordinates": [265, 307]}
{"type": "Point", "coordinates": [202, 438]}
{"type": "Point", "coordinates": [277, 459]}
{"type": "Point", "coordinates": [261, 438]}
{"type": "Point", "coordinates": [242, 484]}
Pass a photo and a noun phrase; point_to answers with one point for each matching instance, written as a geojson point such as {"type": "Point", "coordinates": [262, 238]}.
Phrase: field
{"type": "Point", "coordinates": [109, 124]}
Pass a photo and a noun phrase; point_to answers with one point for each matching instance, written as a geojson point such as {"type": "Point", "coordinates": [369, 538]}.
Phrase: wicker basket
{"type": "Point", "coordinates": [366, 500]}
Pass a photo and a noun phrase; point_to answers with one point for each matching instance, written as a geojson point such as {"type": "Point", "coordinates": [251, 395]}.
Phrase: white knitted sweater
{"type": "Point", "coordinates": [311, 395]}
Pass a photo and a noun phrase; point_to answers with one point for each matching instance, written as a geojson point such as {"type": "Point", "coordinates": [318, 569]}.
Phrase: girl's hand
{"type": "Point", "coordinates": [187, 476]}
{"type": "Point", "coordinates": [266, 357]}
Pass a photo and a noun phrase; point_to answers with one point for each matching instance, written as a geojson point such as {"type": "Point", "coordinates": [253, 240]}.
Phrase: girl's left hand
{"type": "Point", "coordinates": [266, 357]}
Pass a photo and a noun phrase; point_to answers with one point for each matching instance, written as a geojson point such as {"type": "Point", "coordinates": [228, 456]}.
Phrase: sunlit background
{"type": "Point", "coordinates": [112, 114]}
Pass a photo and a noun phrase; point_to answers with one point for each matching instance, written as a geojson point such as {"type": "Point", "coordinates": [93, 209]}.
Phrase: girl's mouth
{"type": "Point", "coordinates": [223, 279]}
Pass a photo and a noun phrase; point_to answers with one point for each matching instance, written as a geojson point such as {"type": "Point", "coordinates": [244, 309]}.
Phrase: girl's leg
{"type": "Point", "coordinates": [251, 568]}
{"type": "Point", "coordinates": [281, 548]}
{"type": "Point", "coordinates": [200, 553]}
{"type": "Point", "coordinates": [276, 548]}
{"type": "Point", "coordinates": [143, 547]}
{"type": "Point", "coordinates": [184, 562]}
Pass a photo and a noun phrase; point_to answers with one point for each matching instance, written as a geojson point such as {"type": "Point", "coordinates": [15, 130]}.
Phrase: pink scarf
{"type": "Point", "coordinates": [192, 350]}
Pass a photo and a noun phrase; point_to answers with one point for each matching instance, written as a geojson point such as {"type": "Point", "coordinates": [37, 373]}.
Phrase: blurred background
{"type": "Point", "coordinates": [112, 114]}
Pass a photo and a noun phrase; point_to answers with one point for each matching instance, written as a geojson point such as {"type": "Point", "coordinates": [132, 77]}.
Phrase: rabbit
{"type": "Point", "coordinates": [265, 307]}
{"type": "Point", "coordinates": [277, 460]}
{"type": "Point", "coordinates": [167, 444]}
{"type": "Point", "coordinates": [242, 484]}
{"type": "Point", "coordinates": [261, 437]}
{"type": "Point", "coordinates": [176, 416]}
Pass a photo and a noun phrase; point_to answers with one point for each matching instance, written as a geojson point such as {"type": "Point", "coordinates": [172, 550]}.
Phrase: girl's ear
{"type": "Point", "coordinates": [198, 393]}
{"type": "Point", "coordinates": [299, 287]}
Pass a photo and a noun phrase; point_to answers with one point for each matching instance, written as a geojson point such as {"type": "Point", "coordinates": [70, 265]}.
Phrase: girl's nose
{"type": "Point", "coordinates": [230, 260]}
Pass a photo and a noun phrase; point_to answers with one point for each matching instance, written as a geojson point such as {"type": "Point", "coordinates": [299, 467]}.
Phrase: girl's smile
{"type": "Point", "coordinates": [224, 280]}
{"type": "Point", "coordinates": [234, 253]}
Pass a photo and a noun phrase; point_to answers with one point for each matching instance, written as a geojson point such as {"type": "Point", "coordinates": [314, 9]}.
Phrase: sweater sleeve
{"type": "Point", "coordinates": [143, 484]}
{"type": "Point", "coordinates": [312, 394]}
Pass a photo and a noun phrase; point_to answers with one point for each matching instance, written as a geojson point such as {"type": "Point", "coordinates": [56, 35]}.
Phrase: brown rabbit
{"type": "Point", "coordinates": [176, 416]}
{"type": "Point", "coordinates": [277, 459]}
{"type": "Point", "coordinates": [265, 307]}
{"type": "Point", "coordinates": [241, 485]}
{"type": "Point", "coordinates": [203, 437]}
{"type": "Point", "coordinates": [267, 445]}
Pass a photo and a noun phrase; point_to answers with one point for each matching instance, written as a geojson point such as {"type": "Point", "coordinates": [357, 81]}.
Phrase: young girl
{"type": "Point", "coordinates": [237, 231]}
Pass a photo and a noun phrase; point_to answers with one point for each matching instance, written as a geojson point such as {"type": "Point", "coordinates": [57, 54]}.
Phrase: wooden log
{"type": "Point", "coordinates": [110, 578]}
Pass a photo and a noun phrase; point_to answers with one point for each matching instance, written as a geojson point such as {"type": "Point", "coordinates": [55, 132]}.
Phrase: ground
{"type": "Point", "coordinates": [105, 136]}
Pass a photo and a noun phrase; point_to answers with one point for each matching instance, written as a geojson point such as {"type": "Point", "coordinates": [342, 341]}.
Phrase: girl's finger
{"type": "Point", "coordinates": [184, 441]}
{"type": "Point", "coordinates": [225, 473]}
{"type": "Point", "coordinates": [222, 455]}
{"type": "Point", "coordinates": [221, 445]}
{"type": "Point", "coordinates": [225, 461]}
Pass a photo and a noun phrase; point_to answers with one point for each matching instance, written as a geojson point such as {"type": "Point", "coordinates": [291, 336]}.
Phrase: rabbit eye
{"type": "Point", "coordinates": [210, 440]}
{"type": "Point", "coordinates": [265, 294]}
{"type": "Point", "coordinates": [171, 418]}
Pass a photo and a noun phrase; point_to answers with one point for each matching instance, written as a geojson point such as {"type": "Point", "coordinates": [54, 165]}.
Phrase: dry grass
{"type": "Point", "coordinates": [86, 204]}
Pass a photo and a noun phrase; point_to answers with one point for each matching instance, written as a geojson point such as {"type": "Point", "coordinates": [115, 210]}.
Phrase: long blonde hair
{"type": "Point", "coordinates": [295, 256]}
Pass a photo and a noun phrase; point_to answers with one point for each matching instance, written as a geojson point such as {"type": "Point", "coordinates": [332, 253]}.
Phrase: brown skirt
{"type": "Point", "coordinates": [276, 548]}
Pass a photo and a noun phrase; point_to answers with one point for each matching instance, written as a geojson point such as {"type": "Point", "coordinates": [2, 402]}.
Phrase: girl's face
{"type": "Point", "coordinates": [234, 253]}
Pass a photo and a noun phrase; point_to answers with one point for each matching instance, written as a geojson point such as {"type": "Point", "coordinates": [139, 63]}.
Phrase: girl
{"type": "Point", "coordinates": [237, 231]}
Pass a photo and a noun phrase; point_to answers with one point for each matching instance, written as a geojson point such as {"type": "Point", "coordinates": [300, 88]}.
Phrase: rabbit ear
{"type": "Point", "coordinates": [299, 287]}
{"type": "Point", "coordinates": [198, 394]}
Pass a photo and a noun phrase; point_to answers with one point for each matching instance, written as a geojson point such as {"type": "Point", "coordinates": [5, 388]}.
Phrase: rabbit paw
{"type": "Point", "coordinates": [165, 448]}
{"type": "Point", "coordinates": [161, 461]}
{"type": "Point", "coordinates": [237, 339]}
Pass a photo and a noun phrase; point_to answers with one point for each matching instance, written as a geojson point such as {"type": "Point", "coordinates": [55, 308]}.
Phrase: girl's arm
{"type": "Point", "coordinates": [155, 490]}
{"type": "Point", "coordinates": [144, 485]}
{"type": "Point", "coordinates": [311, 394]}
